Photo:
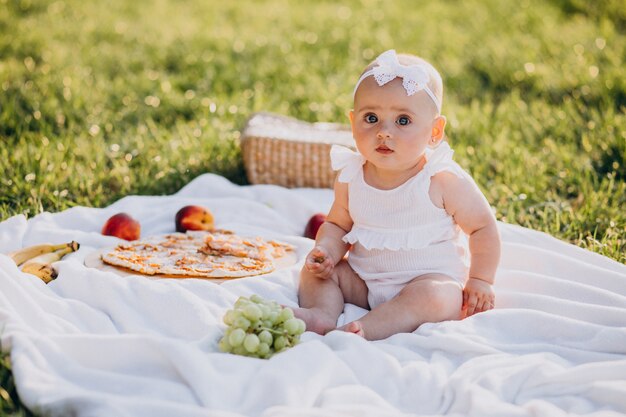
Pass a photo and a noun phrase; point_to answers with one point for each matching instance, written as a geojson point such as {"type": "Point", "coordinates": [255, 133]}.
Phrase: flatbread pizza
{"type": "Point", "coordinates": [215, 254]}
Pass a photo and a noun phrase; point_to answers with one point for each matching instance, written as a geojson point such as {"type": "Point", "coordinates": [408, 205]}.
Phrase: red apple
{"type": "Point", "coordinates": [194, 218]}
{"type": "Point", "coordinates": [313, 225]}
{"type": "Point", "coordinates": [123, 226]}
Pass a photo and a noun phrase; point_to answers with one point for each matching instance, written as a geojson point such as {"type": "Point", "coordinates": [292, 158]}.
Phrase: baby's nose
{"type": "Point", "coordinates": [384, 133]}
{"type": "Point", "coordinates": [385, 129]}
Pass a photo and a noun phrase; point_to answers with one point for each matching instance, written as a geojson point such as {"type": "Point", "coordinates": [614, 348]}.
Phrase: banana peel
{"type": "Point", "coordinates": [37, 260]}
{"type": "Point", "coordinates": [22, 255]}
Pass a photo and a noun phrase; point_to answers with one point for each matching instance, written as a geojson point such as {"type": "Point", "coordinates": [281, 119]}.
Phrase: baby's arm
{"type": "Point", "coordinates": [329, 247]}
{"type": "Point", "coordinates": [464, 201]}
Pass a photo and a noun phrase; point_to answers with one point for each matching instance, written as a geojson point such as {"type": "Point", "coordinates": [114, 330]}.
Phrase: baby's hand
{"type": "Point", "coordinates": [478, 296]}
{"type": "Point", "coordinates": [319, 263]}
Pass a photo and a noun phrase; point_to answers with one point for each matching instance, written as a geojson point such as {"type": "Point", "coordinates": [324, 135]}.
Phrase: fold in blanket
{"type": "Point", "coordinates": [93, 343]}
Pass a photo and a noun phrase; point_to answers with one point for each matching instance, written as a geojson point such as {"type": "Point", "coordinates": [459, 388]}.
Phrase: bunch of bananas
{"type": "Point", "coordinates": [37, 259]}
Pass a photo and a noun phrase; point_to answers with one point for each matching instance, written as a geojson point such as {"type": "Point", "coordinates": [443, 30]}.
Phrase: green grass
{"type": "Point", "coordinates": [10, 404]}
{"type": "Point", "coordinates": [99, 100]}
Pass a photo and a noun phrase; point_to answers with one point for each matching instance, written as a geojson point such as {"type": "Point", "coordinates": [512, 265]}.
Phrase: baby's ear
{"type": "Point", "coordinates": [439, 125]}
{"type": "Point", "coordinates": [351, 116]}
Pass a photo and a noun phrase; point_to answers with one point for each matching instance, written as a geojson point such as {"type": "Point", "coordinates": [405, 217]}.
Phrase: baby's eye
{"type": "Point", "coordinates": [403, 120]}
{"type": "Point", "coordinates": [371, 118]}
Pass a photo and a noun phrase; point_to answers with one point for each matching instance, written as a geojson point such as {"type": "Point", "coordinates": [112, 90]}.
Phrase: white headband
{"type": "Point", "coordinates": [414, 77]}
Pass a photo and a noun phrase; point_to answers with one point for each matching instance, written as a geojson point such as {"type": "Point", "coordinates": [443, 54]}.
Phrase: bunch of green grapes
{"type": "Point", "coordinates": [260, 328]}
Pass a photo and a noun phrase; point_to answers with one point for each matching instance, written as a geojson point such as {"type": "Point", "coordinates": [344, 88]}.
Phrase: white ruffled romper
{"type": "Point", "coordinates": [399, 234]}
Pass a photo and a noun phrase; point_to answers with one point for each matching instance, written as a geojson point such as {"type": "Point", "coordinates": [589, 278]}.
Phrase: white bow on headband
{"type": "Point", "coordinates": [414, 77]}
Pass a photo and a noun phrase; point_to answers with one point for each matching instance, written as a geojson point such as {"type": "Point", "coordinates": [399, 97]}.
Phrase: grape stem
{"type": "Point", "coordinates": [282, 333]}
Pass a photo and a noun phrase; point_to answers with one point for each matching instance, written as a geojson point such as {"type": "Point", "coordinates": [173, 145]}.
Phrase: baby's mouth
{"type": "Point", "coordinates": [384, 150]}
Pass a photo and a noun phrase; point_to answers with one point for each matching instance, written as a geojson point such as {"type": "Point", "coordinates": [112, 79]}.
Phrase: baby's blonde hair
{"type": "Point", "coordinates": [435, 83]}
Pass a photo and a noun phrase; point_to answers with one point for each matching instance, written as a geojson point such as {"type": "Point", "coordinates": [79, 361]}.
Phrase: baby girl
{"type": "Point", "coordinates": [421, 239]}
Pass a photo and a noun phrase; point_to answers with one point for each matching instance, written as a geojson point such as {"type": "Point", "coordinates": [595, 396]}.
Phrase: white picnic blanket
{"type": "Point", "coordinates": [93, 343]}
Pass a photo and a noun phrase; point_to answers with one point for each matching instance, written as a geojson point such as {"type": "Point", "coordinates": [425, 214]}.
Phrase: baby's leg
{"type": "Point", "coordinates": [322, 300]}
{"type": "Point", "coordinates": [429, 298]}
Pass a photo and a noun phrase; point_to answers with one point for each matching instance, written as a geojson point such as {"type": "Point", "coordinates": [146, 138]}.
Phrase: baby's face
{"type": "Point", "coordinates": [392, 130]}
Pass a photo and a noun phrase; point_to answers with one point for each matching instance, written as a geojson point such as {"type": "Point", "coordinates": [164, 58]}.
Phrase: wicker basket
{"type": "Point", "coordinates": [289, 152]}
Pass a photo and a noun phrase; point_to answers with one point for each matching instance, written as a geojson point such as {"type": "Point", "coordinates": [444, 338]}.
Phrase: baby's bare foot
{"type": "Point", "coordinates": [353, 327]}
{"type": "Point", "coordinates": [315, 320]}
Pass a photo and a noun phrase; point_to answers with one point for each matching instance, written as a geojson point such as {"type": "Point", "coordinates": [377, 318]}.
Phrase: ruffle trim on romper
{"type": "Point", "coordinates": [410, 238]}
{"type": "Point", "coordinates": [346, 160]}
{"type": "Point", "coordinates": [439, 159]}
